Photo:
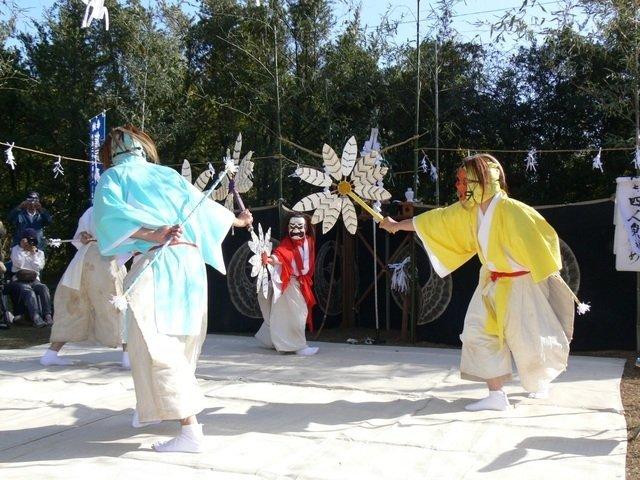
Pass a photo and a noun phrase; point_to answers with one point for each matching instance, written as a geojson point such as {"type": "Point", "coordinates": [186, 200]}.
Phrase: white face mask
{"type": "Point", "coordinates": [297, 227]}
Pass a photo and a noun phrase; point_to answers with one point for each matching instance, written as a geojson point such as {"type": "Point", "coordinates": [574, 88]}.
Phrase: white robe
{"type": "Point", "coordinates": [82, 302]}
{"type": "Point", "coordinates": [163, 366]}
{"type": "Point", "coordinates": [285, 313]}
{"type": "Point", "coordinates": [537, 335]}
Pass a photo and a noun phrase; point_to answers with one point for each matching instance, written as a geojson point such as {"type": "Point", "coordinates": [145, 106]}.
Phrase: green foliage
{"type": "Point", "coordinates": [194, 78]}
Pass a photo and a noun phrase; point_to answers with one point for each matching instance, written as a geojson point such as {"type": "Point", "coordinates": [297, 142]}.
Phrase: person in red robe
{"type": "Point", "coordinates": [288, 308]}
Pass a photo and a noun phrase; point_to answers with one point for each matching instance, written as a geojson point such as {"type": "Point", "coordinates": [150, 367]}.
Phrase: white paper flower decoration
{"type": "Point", "coordinates": [343, 180]}
{"type": "Point", "coordinates": [260, 244]}
{"type": "Point", "coordinates": [241, 181]}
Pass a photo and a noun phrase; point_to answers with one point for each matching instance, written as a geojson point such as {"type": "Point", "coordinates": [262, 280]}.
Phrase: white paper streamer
{"type": "Point", "coordinates": [423, 164]}
{"type": "Point", "coordinates": [95, 11]}
{"type": "Point", "coordinates": [57, 167]}
{"type": "Point", "coordinates": [399, 277]}
{"type": "Point", "coordinates": [597, 162]}
{"type": "Point", "coordinates": [10, 159]}
{"type": "Point", "coordinates": [636, 159]}
{"type": "Point", "coordinates": [531, 161]}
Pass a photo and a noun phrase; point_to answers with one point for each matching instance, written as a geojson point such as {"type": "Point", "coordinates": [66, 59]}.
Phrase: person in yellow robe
{"type": "Point", "coordinates": [521, 308]}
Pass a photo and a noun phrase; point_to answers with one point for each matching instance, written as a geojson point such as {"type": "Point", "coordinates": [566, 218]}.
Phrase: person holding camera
{"type": "Point", "coordinates": [29, 214]}
{"type": "Point", "coordinates": [27, 293]}
{"type": "Point", "coordinates": [6, 317]}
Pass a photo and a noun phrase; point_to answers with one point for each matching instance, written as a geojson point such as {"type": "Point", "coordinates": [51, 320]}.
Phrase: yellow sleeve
{"type": "Point", "coordinates": [532, 242]}
{"type": "Point", "coordinates": [447, 236]}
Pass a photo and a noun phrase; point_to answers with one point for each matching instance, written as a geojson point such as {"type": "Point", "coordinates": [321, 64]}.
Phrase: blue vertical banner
{"type": "Point", "coordinates": [97, 134]}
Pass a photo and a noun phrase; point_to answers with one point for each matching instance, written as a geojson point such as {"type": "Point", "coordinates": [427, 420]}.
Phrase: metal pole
{"type": "Point", "coordinates": [414, 278]}
{"type": "Point", "coordinates": [387, 292]}
{"type": "Point", "coordinates": [437, 112]}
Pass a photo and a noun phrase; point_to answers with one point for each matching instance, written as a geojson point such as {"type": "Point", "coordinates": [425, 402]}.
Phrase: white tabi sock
{"type": "Point", "coordinates": [136, 423]}
{"type": "Point", "coordinates": [540, 394]}
{"type": "Point", "coordinates": [125, 361]}
{"type": "Point", "coordinates": [307, 351]}
{"type": "Point", "coordinates": [50, 357]}
{"type": "Point", "coordinates": [497, 400]}
{"type": "Point", "coordinates": [190, 440]}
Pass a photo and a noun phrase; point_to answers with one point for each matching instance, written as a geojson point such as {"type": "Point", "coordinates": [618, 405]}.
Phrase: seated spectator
{"type": "Point", "coordinates": [29, 214]}
{"type": "Point", "coordinates": [27, 293]}
{"type": "Point", "coordinates": [6, 317]}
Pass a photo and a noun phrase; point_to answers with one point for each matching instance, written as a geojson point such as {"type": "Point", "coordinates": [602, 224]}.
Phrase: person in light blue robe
{"type": "Point", "coordinates": [137, 208]}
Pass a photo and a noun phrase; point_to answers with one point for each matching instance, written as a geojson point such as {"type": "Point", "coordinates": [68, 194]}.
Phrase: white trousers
{"type": "Point", "coordinates": [163, 366]}
{"type": "Point", "coordinates": [87, 314]}
{"type": "Point", "coordinates": [538, 329]}
{"type": "Point", "coordinates": [284, 321]}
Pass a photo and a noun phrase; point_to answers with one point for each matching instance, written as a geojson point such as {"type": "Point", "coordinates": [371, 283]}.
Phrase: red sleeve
{"type": "Point", "coordinates": [286, 257]}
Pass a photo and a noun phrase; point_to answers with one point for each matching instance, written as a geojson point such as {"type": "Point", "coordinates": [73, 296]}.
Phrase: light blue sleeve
{"type": "Point", "coordinates": [115, 220]}
{"type": "Point", "coordinates": [213, 222]}
{"type": "Point", "coordinates": [216, 223]}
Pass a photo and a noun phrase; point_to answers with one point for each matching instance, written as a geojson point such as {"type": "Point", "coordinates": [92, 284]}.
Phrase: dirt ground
{"type": "Point", "coordinates": [21, 336]}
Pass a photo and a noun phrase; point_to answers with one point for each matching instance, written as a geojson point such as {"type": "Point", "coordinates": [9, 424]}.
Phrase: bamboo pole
{"type": "Point", "coordinates": [414, 279]}
{"type": "Point", "coordinates": [636, 102]}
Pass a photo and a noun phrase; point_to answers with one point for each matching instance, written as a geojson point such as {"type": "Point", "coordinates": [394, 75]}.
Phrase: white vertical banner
{"type": "Point", "coordinates": [626, 243]}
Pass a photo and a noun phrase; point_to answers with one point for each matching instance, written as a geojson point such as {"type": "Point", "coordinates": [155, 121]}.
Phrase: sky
{"type": "Point", "coordinates": [466, 14]}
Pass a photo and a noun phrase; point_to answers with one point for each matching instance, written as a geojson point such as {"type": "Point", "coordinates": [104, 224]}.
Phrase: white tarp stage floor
{"type": "Point", "coordinates": [350, 412]}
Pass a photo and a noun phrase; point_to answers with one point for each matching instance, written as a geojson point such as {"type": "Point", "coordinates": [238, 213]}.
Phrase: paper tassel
{"type": "Point", "coordinates": [229, 166]}
{"type": "Point", "coordinates": [433, 172]}
{"type": "Point", "coordinates": [371, 144]}
{"type": "Point", "coordinates": [120, 302]}
{"type": "Point", "coordinates": [54, 242]}
{"type": "Point", "coordinates": [11, 160]}
{"type": "Point", "coordinates": [57, 242]}
{"type": "Point", "coordinates": [531, 161]}
{"type": "Point", "coordinates": [57, 167]}
{"type": "Point", "coordinates": [95, 11]}
{"type": "Point", "coordinates": [399, 278]}
{"type": "Point", "coordinates": [211, 169]}
{"type": "Point", "coordinates": [597, 162]}
{"type": "Point", "coordinates": [636, 159]}
{"type": "Point", "coordinates": [583, 308]}
{"type": "Point", "coordinates": [423, 164]}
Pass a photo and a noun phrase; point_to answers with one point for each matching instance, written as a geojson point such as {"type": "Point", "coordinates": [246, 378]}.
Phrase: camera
{"type": "Point", "coordinates": [32, 241]}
